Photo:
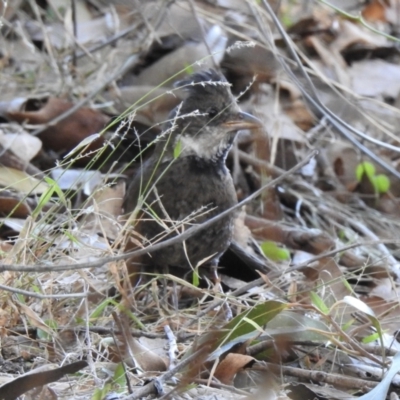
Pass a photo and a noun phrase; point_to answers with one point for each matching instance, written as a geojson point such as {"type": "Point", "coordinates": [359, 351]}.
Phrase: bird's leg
{"type": "Point", "coordinates": [173, 296]}
{"type": "Point", "coordinates": [218, 288]}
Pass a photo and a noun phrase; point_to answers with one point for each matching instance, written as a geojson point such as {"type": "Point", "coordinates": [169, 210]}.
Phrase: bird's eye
{"type": "Point", "coordinates": [212, 112]}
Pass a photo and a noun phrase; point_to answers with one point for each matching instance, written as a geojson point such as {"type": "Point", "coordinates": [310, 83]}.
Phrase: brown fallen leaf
{"type": "Point", "coordinates": [375, 10]}
{"type": "Point", "coordinates": [230, 366]}
{"type": "Point", "coordinates": [136, 353]}
{"type": "Point", "coordinates": [12, 206]}
{"type": "Point", "coordinates": [5, 247]}
{"type": "Point", "coordinates": [66, 134]}
{"type": "Point", "coordinates": [248, 62]}
{"type": "Point", "coordinates": [107, 206]}
{"type": "Point", "coordinates": [22, 384]}
{"type": "Point", "coordinates": [311, 241]}
{"type": "Point", "coordinates": [343, 159]}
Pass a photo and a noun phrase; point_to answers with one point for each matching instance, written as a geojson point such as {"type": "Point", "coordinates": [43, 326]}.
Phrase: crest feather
{"type": "Point", "coordinates": [195, 81]}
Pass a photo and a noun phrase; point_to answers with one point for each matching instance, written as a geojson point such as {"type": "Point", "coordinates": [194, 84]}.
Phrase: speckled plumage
{"type": "Point", "coordinates": [195, 185]}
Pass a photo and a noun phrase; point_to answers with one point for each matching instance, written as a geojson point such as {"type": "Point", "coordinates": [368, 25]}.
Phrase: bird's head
{"type": "Point", "coordinates": [206, 122]}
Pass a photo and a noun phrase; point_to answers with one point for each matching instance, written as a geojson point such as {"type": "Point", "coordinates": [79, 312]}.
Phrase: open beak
{"type": "Point", "coordinates": [242, 120]}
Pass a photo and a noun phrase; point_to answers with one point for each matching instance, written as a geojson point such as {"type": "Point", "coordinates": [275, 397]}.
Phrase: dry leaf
{"type": "Point", "coordinates": [13, 207]}
{"type": "Point", "coordinates": [151, 104]}
{"type": "Point", "coordinates": [194, 55]}
{"type": "Point", "coordinates": [351, 34]}
{"type": "Point", "coordinates": [23, 145]}
{"type": "Point", "coordinates": [107, 206]}
{"type": "Point", "coordinates": [69, 132]}
{"type": "Point", "coordinates": [21, 181]}
{"type": "Point", "coordinates": [38, 377]}
{"type": "Point", "coordinates": [231, 365]}
{"type": "Point", "coordinates": [375, 78]}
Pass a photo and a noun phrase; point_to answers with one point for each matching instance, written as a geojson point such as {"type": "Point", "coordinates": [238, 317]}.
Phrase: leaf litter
{"type": "Point", "coordinates": [310, 282]}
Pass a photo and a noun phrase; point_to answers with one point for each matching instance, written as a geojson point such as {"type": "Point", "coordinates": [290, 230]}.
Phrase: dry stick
{"type": "Point", "coordinates": [22, 330]}
{"type": "Point", "coordinates": [318, 376]}
{"type": "Point", "coordinates": [75, 34]}
{"type": "Point", "coordinates": [42, 296]}
{"type": "Point", "coordinates": [271, 169]}
{"type": "Point", "coordinates": [152, 248]}
{"type": "Point", "coordinates": [221, 386]}
{"type": "Point", "coordinates": [342, 126]}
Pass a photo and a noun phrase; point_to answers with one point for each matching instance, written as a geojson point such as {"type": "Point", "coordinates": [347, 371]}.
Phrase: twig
{"type": "Point", "coordinates": [42, 296]}
{"type": "Point", "coordinates": [172, 347]}
{"type": "Point", "coordinates": [75, 34]}
{"type": "Point", "coordinates": [318, 376]}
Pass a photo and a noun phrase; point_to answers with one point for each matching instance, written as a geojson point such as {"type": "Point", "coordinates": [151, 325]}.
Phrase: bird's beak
{"type": "Point", "coordinates": [242, 120]}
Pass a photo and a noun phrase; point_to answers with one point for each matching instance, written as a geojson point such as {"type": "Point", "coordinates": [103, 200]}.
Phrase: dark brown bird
{"type": "Point", "coordinates": [186, 181]}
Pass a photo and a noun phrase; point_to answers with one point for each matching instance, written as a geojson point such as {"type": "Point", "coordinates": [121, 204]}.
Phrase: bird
{"type": "Point", "coordinates": [186, 181]}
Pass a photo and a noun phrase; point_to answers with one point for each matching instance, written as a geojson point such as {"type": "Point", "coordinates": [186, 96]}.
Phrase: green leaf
{"type": "Point", "coordinates": [57, 189]}
{"type": "Point", "coordinates": [100, 308]}
{"type": "Point", "coordinates": [366, 168]}
{"type": "Point", "coordinates": [243, 324]}
{"type": "Point", "coordinates": [381, 183]}
{"type": "Point", "coordinates": [100, 394]}
{"type": "Point", "coordinates": [43, 200]}
{"type": "Point", "coordinates": [347, 325]}
{"type": "Point", "coordinates": [347, 285]}
{"type": "Point", "coordinates": [131, 315]}
{"type": "Point", "coordinates": [119, 376]}
{"type": "Point", "coordinates": [42, 334]}
{"type": "Point", "coordinates": [196, 278]}
{"type": "Point", "coordinates": [319, 303]}
{"type": "Point", "coordinates": [367, 310]}
{"type": "Point", "coordinates": [275, 253]}
{"type": "Point", "coordinates": [371, 338]}
{"type": "Point", "coordinates": [177, 149]}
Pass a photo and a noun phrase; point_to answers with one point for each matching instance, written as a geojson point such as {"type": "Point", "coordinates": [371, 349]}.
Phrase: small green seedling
{"type": "Point", "coordinates": [381, 182]}
{"type": "Point", "coordinates": [275, 253]}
